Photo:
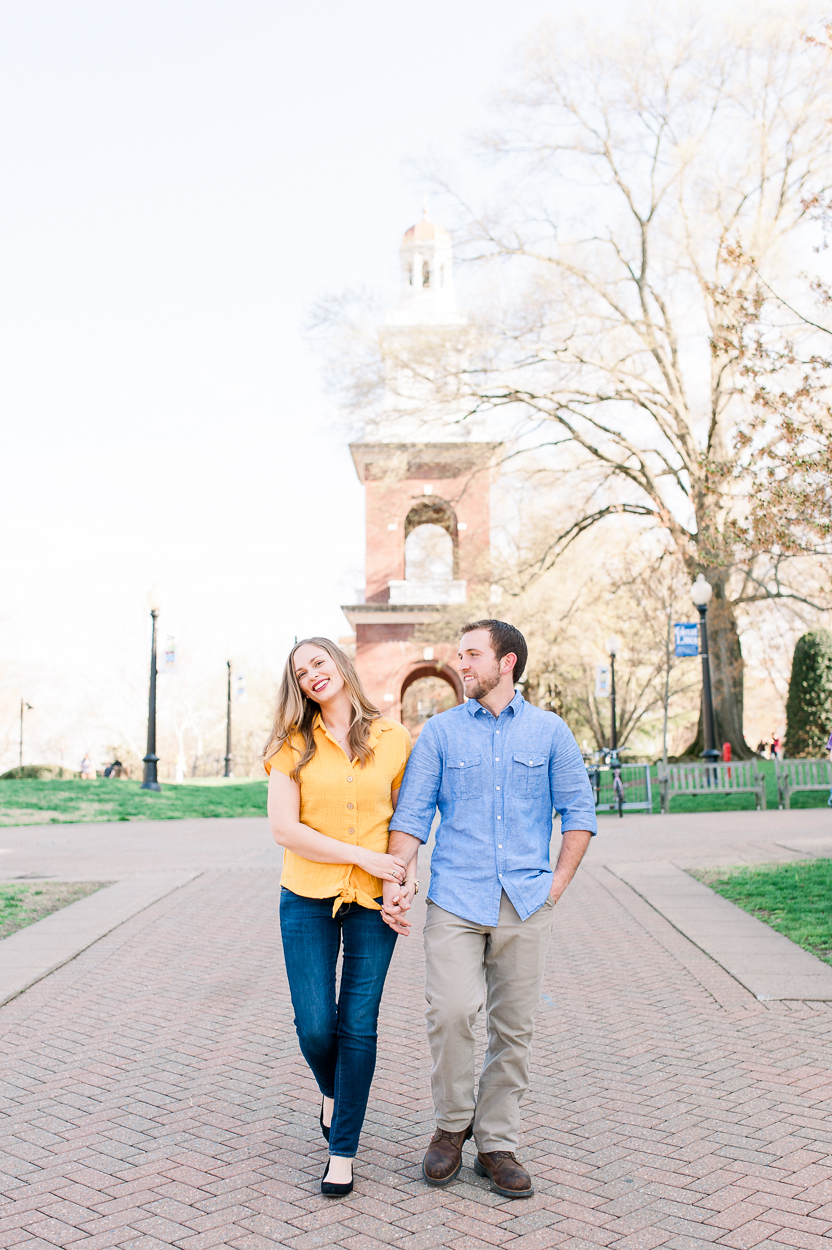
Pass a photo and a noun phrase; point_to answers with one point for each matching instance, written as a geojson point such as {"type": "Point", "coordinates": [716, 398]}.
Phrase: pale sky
{"type": "Point", "coordinates": [183, 179]}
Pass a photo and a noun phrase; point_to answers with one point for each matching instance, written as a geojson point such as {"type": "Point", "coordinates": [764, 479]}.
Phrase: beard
{"type": "Point", "coordinates": [484, 684]}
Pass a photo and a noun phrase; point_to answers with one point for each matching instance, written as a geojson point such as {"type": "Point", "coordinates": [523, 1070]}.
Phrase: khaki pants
{"type": "Point", "coordinates": [500, 967]}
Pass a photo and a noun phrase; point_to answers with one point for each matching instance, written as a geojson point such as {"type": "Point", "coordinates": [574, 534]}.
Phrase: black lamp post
{"type": "Point", "coordinates": [613, 646]}
{"type": "Point", "coordinates": [228, 756]}
{"type": "Point", "coordinates": [700, 593]}
{"type": "Point", "coordinates": [151, 781]}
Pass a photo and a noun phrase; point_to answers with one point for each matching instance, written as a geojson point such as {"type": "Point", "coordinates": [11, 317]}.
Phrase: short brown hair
{"type": "Point", "coordinates": [504, 638]}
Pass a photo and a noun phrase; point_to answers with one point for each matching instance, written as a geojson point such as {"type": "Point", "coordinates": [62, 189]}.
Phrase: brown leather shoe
{"type": "Point", "coordinates": [508, 1177]}
{"type": "Point", "coordinates": [443, 1157]}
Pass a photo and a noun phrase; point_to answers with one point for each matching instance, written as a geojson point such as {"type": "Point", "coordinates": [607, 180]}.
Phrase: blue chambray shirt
{"type": "Point", "coordinates": [495, 781]}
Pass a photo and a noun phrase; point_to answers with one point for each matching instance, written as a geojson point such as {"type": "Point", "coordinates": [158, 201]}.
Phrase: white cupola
{"type": "Point", "coordinates": [427, 291]}
{"type": "Point", "coordinates": [423, 341]}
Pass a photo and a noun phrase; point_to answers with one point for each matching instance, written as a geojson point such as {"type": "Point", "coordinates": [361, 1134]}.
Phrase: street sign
{"type": "Point", "coordinates": [687, 639]}
{"type": "Point", "coordinates": [602, 681]}
{"type": "Point", "coordinates": [239, 687]}
{"type": "Point", "coordinates": [170, 655]}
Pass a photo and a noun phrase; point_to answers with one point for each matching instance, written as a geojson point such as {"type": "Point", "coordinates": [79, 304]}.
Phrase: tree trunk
{"type": "Point", "coordinates": [728, 672]}
{"type": "Point", "coordinates": [726, 679]}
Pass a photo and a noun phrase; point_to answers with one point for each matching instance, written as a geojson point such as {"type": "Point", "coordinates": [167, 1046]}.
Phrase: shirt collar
{"type": "Point", "coordinates": [515, 707]}
{"type": "Point", "coordinates": [376, 730]}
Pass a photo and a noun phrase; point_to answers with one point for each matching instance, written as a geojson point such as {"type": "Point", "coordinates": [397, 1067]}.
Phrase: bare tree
{"type": "Point", "coordinates": [636, 593]}
{"type": "Point", "coordinates": [641, 170]}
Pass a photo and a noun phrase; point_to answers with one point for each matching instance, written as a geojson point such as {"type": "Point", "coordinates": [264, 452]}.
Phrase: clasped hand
{"type": "Point", "coordinates": [397, 901]}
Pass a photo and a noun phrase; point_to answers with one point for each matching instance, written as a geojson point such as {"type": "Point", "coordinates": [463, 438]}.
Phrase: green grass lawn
{"type": "Point", "coordinates": [59, 802]}
{"type": "Point", "coordinates": [795, 899]}
{"type": "Point", "coordinates": [56, 802]}
{"type": "Point", "coordinates": [22, 904]}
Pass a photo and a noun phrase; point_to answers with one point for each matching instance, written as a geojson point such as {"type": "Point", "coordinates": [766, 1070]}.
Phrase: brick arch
{"type": "Point", "coordinates": [406, 485]}
{"type": "Point", "coordinates": [434, 511]}
{"type": "Point", "coordinates": [425, 668]}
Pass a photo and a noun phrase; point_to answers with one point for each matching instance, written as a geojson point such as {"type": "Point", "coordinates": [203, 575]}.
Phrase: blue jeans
{"type": "Point", "coordinates": [337, 1036]}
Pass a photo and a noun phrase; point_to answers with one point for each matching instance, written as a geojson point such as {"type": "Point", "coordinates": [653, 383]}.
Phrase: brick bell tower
{"type": "Point", "coordinates": [427, 485]}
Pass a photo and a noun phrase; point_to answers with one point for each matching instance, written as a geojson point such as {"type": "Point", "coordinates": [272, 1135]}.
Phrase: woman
{"type": "Point", "coordinates": [335, 767]}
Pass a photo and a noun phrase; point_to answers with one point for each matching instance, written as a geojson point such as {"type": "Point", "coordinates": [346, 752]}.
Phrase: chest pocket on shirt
{"type": "Point", "coordinates": [530, 776]}
{"type": "Point", "coordinates": [465, 776]}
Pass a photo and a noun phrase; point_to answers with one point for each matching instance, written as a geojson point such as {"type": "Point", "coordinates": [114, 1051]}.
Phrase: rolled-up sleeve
{"type": "Point", "coordinates": [569, 784]}
{"type": "Point", "coordinates": [420, 788]}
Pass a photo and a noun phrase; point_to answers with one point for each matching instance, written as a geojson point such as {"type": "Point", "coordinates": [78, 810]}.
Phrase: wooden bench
{"type": "Point", "coordinates": [735, 778]}
{"type": "Point", "coordinates": [795, 775]}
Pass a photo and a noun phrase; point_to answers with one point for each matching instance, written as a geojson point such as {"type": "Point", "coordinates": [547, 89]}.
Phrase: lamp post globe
{"type": "Point", "coordinates": [613, 647]}
{"type": "Point", "coordinates": [151, 759]}
{"type": "Point", "coordinates": [700, 593]}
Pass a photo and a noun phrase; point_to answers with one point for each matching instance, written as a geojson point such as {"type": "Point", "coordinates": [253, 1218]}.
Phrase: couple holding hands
{"type": "Point", "coordinates": [352, 805]}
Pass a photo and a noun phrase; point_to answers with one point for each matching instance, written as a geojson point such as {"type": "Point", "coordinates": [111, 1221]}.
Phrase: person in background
{"type": "Point", "coordinates": [335, 766]}
{"type": "Point", "coordinates": [775, 747]}
{"type": "Point", "coordinates": [87, 769]}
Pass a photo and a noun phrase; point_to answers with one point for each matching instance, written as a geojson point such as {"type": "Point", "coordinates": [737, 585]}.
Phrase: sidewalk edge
{"type": "Point", "coordinates": [34, 953]}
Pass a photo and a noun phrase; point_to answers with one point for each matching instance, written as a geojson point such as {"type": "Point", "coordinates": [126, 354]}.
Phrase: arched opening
{"type": "Point", "coordinates": [433, 512]}
{"type": "Point", "coordinates": [426, 691]}
{"type": "Point", "coordinates": [429, 555]}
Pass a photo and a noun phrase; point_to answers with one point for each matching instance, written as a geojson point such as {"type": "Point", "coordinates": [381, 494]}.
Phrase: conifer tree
{"type": "Point", "coordinates": [809, 705]}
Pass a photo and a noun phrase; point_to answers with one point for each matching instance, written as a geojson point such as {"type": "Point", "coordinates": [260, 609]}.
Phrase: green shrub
{"type": "Point", "coordinates": [38, 772]}
{"type": "Point", "coordinates": [809, 705]}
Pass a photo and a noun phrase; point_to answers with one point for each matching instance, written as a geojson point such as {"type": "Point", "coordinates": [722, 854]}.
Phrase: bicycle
{"type": "Point", "coordinates": [617, 783]}
{"type": "Point", "coordinates": [610, 758]}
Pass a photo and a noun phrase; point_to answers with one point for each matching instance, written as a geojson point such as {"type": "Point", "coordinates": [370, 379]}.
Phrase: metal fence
{"type": "Point", "coordinates": [635, 778]}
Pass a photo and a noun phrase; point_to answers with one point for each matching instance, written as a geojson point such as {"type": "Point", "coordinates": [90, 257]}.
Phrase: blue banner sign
{"type": "Point", "coordinates": [687, 639]}
{"type": "Point", "coordinates": [602, 681]}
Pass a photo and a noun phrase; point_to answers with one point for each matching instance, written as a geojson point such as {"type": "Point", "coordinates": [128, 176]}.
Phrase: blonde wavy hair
{"type": "Point", "coordinates": [295, 712]}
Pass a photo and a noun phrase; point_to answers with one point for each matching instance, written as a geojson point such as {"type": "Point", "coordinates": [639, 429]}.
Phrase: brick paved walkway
{"type": "Point", "coordinates": [156, 1097]}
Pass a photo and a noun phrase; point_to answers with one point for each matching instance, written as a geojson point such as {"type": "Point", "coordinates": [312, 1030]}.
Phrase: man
{"type": "Point", "coordinates": [496, 767]}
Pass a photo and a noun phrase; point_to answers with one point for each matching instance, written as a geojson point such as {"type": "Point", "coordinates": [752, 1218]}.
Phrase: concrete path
{"type": "Point", "coordinates": [32, 953]}
{"type": "Point", "coordinates": [765, 962]}
{"type": "Point", "coordinates": [148, 859]}
{"type": "Point", "coordinates": [156, 1097]}
{"type": "Point", "coordinates": [118, 849]}
{"type": "Point", "coordinates": [712, 838]}
{"type": "Point", "coordinates": [651, 859]}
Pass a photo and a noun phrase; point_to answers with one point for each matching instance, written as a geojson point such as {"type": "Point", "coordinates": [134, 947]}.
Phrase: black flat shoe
{"type": "Point", "coordinates": [331, 1190]}
{"type": "Point", "coordinates": [324, 1127]}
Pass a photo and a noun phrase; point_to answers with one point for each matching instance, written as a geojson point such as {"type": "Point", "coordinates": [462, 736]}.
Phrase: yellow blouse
{"type": "Point", "coordinates": [346, 802]}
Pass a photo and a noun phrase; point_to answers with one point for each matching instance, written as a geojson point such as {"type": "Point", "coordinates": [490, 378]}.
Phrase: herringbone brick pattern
{"type": "Point", "coordinates": [155, 1097]}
